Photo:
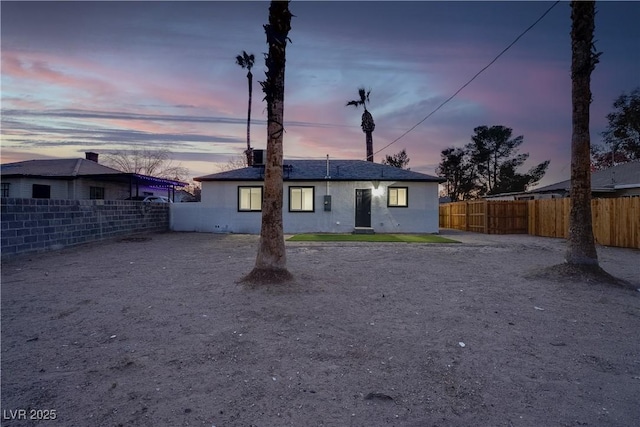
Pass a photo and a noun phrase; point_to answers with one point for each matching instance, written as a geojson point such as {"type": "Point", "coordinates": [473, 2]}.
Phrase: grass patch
{"type": "Point", "coordinates": [405, 238]}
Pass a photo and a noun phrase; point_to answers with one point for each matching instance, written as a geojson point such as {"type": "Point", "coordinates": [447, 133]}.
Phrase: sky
{"type": "Point", "coordinates": [109, 76]}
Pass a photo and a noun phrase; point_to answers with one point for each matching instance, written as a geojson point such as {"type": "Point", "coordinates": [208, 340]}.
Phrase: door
{"type": "Point", "coordinates": [363, 208]}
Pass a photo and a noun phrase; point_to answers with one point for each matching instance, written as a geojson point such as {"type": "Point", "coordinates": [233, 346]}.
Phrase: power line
{"type": "Point", "coordinates": [472, 79]}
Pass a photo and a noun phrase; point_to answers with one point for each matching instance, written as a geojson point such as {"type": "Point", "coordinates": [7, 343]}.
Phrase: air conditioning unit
{"type": "Point", "coordinates": [259, 157]}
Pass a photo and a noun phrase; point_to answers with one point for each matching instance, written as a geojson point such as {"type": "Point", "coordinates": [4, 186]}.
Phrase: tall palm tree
{"type": "Point", "coordinates": [271, 262]}
{"type": "Point", "coordinates": [581, 248]}
{"type": "Point", "coordinates": [246, 61]}
{"type": "Point", "coordinates": [368, 125]}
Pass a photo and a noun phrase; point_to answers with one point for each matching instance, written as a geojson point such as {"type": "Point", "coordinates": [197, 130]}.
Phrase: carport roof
{"type": "Point", "coordinates": [316, 170]}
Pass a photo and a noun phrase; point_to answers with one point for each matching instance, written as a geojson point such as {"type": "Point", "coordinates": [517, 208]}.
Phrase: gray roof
{"type": "Point", "coordinates": [316, 170]}
{"type": "Point", "coordinates": [626, 174]}
{"type": "Point", "coordinates": [56, 168]}
{"type": "Point", "coordinates": [75, 168]}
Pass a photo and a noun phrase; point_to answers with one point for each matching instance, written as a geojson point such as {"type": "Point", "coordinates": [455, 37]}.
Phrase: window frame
{"type": "Point", "coordinates": [95, 189]}
{"type": "Point", "coordinates": [250, 187]}
{"type": "Point", "coordinates": [406, 197]}
{"type": "Point", "coordinates": [313, 198]}
{"type": "Point", "coordinates": [5, 189]}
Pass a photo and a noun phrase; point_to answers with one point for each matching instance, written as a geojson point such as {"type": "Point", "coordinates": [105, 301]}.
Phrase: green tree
{"type": "Point", "coordinates": [398, 160]}
{"type": "Point", "coordinates": [581, 249]}
{"type": "Point", "coordinates": [246, 61]}
{"type": "Point", "coordinates": [622, 136]}
{"type": "Point", "coordinates": [368, 126]}
{"type": "Point", "coordinates": [459, 172]}
{"type": "Point", "coordinates": [511, 181]}
{"type": "Point", "coordinates": [271, 261]}
{"type": "Point", "coordinates": [494, 153]}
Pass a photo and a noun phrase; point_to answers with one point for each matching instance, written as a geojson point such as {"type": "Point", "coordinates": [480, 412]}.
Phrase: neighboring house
{"type": "Point", "coordinates": [617, 181]}
{"type": "Point", "coordinates": [78, 179]}
{"type": "Point", "coordinates": [334, 196]}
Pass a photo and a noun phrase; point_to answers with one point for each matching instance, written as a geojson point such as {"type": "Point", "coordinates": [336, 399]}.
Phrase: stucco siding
{"type": "Point", "coordinates": [218, 211]}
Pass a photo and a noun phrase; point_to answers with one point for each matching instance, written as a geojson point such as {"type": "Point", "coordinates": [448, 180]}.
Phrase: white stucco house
{"type": "Point", "coordinates": [321, 196]}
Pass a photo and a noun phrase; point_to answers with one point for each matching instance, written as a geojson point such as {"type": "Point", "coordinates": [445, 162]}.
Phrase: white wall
{"type": "Point", "coordinates": [218, 211]}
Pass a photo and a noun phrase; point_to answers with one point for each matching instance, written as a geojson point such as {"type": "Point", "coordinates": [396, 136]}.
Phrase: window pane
{"type": "Point", "coordinates": [256, 199]}
{"type": "Point", "coordinates": [245, 199]}
{"type": "Point", "coordinates": [402, 197]}
{"type": "Point", "coordinates": [393, 196]}
{"type": "Point", "coordinates": [296, 199]}
{"type": "Point", "coordinates": [307, 199]}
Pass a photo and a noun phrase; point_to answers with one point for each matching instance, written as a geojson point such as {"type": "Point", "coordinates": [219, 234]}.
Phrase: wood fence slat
{"type": "Point", "coordinates": [616, 221]}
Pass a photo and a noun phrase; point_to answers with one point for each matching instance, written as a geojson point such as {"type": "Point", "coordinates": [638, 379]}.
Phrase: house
{"type": "Point", "coordinates": [617, 181]}
{"type": "Point", "coordinates": [328, 196]}
{"type": "Point", "coordinates": [78, 179]}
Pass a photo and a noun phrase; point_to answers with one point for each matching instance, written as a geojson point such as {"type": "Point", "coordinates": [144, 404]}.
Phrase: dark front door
{"type": "Point", "coordinates": [363, 208]}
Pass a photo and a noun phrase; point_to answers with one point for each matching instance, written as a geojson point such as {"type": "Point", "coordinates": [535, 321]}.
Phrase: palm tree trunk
{"type": "Point", "coordinates": [581, 248]}
{"type": "Point", "coordinates": [271, 261]}
{"type": "Point", "coordinates": [249, 152]}
{"type": "Point", "coordinates": [369, 142]}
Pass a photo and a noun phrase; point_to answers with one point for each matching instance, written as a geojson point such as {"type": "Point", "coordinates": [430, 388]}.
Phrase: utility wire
{"type": "Point", "coordinates": [472, 79]}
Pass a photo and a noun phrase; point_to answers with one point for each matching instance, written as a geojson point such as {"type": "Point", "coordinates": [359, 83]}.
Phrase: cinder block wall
{"type": "Point", "coordinates": [36, 225]}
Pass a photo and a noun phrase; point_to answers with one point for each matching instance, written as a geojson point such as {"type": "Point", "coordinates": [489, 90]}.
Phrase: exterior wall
{"type": "Point", "coordinates": [36, 225]}
{"type": "Point", "coordinates": [218, 211]}
{"type": "Point", "coordinates": [78, 189]}
{"type": "Point", "coordinates": [22, 187]}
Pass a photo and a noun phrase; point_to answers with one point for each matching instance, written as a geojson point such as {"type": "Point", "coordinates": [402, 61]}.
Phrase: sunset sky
{"type": "Point", "coordinates": [104, 76]}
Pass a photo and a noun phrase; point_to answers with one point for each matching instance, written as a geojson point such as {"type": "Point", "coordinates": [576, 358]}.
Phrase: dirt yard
{"type": "Point", "coordinates": [157, 332]}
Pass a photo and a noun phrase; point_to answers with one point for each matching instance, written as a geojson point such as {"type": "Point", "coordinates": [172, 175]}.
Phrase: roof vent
{"type": "Point", "coordinates": [90, 155]}
{"type": "Point", "coordinates": [259, 157]}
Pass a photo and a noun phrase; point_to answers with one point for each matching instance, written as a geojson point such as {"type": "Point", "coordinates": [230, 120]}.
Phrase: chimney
{"type": "Point", "coordinates": [90, 155]}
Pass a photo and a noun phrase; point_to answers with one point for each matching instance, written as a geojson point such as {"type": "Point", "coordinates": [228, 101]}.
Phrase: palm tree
{"type": "Point", "coordinates": [368, 125]}
{"type": "Point", "coordinates": [271, 262]}
{"type": "Point", "coordinates": [581, 248]}
{"type": "Point", "coordinates": [246, 61]}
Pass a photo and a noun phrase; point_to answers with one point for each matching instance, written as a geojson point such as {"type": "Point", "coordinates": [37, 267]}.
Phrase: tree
{"type": "Point", "coordinates": [622, 136]}
{"type": "Point", "coordinates": [487, 165]}
{"type": "Point", "coordinates": [398, 160]}
{"type": "Point", "coordinates": [368, 126]}
{"type": "Point", "coordinates": [511, 181]}
{"type": "Point", "coordinates": [494, 153]}
{"type": "Point", "coordinates": [459, 172]}
{"type": "Point", "coordinates": [271, 262]}
{"type": "Point", "coordinates": [146, 161]}
{"type": "Point", "coordinates": [236, 162]}
{"type": "Point", "coordinates": [246, 61]}
{"type": "Point", "coordinates": [581, 249]}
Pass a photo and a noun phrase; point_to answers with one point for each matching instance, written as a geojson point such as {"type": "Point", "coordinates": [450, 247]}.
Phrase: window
{"type": "Point", "coordinates": [250, 199]}
{"type": "Point", "coordinates": [301, 199]}
{"type": "Point", "coordinates": [5, 189]}
{"type": "Point", "coordinates": [41, 191]}
{"type": "Point", "coordinates": [96, 193]}
{"type": "Point", "coordinates": [398, 197]}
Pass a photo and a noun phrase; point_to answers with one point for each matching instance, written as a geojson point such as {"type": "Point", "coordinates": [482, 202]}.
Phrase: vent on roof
{"type": "Point", "coordinates": [90, 155]}
{"type": "Point", "coordinates": [259, 157]}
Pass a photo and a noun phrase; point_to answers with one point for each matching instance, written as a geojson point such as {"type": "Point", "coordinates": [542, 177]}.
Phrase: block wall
{"type": "Point", "coordinates": [36, 225]}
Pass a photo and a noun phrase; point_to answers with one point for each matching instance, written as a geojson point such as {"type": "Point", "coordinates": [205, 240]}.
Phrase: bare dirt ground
{"type": "Point", "coordinates": [157, 332]}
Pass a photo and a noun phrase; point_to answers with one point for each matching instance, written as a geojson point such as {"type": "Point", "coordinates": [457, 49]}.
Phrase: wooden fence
{"type": "Point", "coordinates": [485, 216]}
{"type": "Point", "coordinates": [616, 221]}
